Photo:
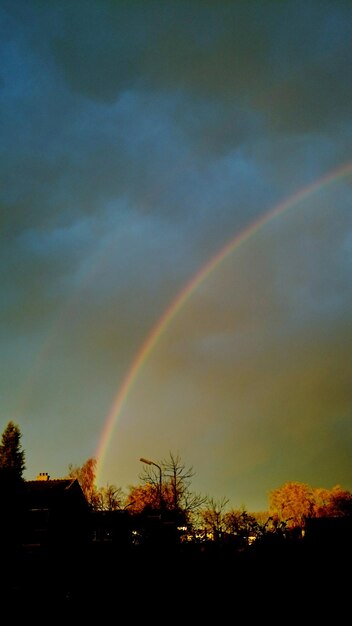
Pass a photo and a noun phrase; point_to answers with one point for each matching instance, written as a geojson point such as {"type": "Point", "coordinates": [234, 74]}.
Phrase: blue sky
{"type": "Point", "coordinates": [138, 139]}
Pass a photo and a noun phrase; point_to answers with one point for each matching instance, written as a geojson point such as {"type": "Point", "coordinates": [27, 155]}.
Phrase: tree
{"type": "Point", "coordinates": [86, 478]}
{"type": "Point", "coordinates": [12, 457]}
{"type": "Point", "coordinates": [179, 477]}
{"type": "Point", "coordinates": [292, 502]}
{"type": "Point", "coordinates": [242, 526]}
{"type": "Point", "coordinates": [107, 498]}
{"type": "Point", "coordinates": [213, 519]}
{"type": "Point", "coordinates": [166, 494]}
{"type": "Point", "coordinates": [12, 465]}
{"type": "Point", "coordinates": [142, 498]}
{"type": "Point", "coordinates": [177, 495]}
{"type": "Point", "coordinates": [336, 502]}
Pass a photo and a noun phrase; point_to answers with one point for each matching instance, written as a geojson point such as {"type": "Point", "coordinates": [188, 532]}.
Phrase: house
{"type": "Point", "coordinates": [329, 534]}
{"type": "Point", "coordinates": [111, 527]}
{"type": "Point", "coordinates": [55, 514]}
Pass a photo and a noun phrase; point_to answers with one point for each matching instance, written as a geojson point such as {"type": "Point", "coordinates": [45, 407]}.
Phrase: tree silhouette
{"type": "Point", "coordinates": [12, 465]}
{"type": "Point", "coordinates": [180, 504]}
{"type": "Point", "coordinates": [12, 457]}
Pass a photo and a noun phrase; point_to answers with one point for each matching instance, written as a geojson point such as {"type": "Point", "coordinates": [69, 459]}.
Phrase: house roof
{"type": "Point", "coordinates": [53, 486]}
{"type": "Point", "coordinates": [42, 493]}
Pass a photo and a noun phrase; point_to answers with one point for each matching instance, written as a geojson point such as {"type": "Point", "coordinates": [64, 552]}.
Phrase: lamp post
{"type": "Point", "coordinates": [160, 480]}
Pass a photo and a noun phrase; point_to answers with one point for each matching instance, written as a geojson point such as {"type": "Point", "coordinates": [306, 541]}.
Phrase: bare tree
{"type": "Point", "coordinates": [177, 495]}
{"type": "Point", "coordinates": [213, 518]}
{"type": "Point", "coordinates": [179, 483]}
{"type": "Point", "coordinates": [109, 498]}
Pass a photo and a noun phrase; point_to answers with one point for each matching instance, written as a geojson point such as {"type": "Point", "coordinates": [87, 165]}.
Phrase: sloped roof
{"type": "Point", "coordinates": [49, 492]}
{"type": "Point", "coordinates": [57, 485]}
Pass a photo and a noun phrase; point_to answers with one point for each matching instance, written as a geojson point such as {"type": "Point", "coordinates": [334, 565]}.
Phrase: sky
{"type": "Point", "coordinates": [176, 240]}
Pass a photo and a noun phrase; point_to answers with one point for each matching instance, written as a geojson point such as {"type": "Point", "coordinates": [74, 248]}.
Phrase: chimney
{"type": "Point", "coordinates": [43, 476]}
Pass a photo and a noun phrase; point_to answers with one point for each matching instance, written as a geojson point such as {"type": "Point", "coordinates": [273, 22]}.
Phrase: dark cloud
{"type": "Point", "coordinates": [236, 52]}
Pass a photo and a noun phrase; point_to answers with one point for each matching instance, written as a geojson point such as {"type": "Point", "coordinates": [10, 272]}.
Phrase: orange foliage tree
{"type": "Point", "coordinates": [86, 478]}
{"type": "Point", "coordinates": [107, 498]}
{"type": "Point", "coordinates": [336, 502]}
{"type": "Point", "coordinates": [142, 497]}
{"type": "Point", "coordinates": [292, 503]}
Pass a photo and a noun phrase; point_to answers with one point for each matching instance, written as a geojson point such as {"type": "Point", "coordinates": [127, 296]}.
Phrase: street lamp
{"type": "Point", "coordinates": [160, 479]}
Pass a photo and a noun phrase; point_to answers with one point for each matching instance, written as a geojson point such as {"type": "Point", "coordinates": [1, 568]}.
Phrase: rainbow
{"type": "Point", "coordinates": [184, 295]}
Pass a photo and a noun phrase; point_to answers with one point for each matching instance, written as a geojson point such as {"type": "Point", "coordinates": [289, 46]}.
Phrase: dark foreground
{"type": "Point", "coordinates": [186, 585]}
